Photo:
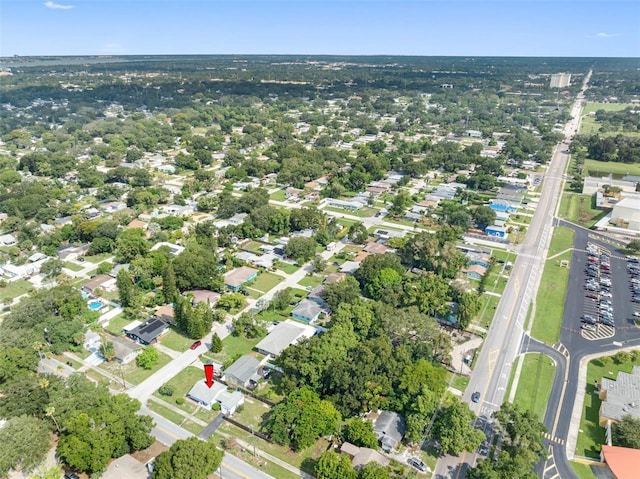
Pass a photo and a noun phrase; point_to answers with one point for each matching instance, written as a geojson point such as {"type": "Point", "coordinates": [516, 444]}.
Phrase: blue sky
{"type": "Point", "coordinates": [345, 27]}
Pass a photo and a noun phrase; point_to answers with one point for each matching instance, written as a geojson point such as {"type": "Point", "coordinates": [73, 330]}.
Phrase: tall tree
{"type": "Point", "coordinates": [454, 428]}
{"type": "Point", "coordinates": [626, 432]}
{"type": "Point", "coordinates": [25, 442]}
{"type": "Point", "coordinates": [190, 458]}
{"type": "Point", "coordinates": [169, 283]}
{"type": "Point", "coordinates": [301, 418]}
{"type": "Point", "coordinates": [331, 465]}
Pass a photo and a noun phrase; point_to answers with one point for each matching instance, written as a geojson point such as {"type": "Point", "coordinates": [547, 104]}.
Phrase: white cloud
{"type": "Point", "coordinates": [604, 35]}
{"type": "Point", "coordinates": [57, 6]}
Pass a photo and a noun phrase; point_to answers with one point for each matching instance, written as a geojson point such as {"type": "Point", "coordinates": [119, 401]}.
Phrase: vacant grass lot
{"type": "Point", "coordinates": [117, 323]}
{"type": "Point", "coordinates": [535, 382]}
{"type": "Point", "coordinates": [364, 212]}
{"type": "Point", "coordinates": [265, 282]}
{"type": "Point", "coordinates": [602, 168]}
{"type": "Point", "coordinates": [182, 383]}
{"type": "Point", "coordinates": [15, 289]}
{"type": "Point", "coordinates": [589, 125]}
{"type": "Point", "coordinates": [176, 340]}
{"type": "Point", "coordinates": [311, 281]}
{"type": "Point", "coordinates": [235, 346]}
{"type": "Point", "coordinates": [131, 372]}
{"type": "Point", "coordinates": [579, 209]}
{"type": "Point", "coordinates": [98, 257]}
{"type": "Point", "coordinates": [279, 195]}
{"type": "Point", "coordinates": [72, 266]}
{"type": "Point", "coordinates": [592, 436]}
{"type": "Point", "coordinates": [553, 289]}
{"type": "Point", "coordinates": [287, 268]}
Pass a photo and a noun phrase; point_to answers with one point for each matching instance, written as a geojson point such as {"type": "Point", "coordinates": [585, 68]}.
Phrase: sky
{"type": "Point", "coordinates": [604, 28]}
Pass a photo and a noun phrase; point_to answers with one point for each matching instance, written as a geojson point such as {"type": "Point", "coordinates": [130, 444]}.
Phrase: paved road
{"type": "Point", "coordinates": [493, 367]}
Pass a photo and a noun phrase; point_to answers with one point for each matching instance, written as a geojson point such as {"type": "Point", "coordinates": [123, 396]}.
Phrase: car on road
{"type": "Point", "coordinates": [475, 397]}
{"type": "Point", "coordinates": [588, 327]}
{"type": "Point", "coordinates": [417, 463]}
{"type": "Point", "coordinates": [196, 345]}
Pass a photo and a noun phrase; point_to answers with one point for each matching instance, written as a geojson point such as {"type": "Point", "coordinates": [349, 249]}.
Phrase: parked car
{"type": "Point", "coordinates": [606, 294]}
{"type": "Point", "coordinates": [608, 322]}
{"type": "Point", "coordinates": [588, 319]}
{"type": "Point", "coordinates": [588, 327]}
{"type": "Point", "coordinates": [417, 463]}
{"type": "Point", "coordinates": [592, 295]}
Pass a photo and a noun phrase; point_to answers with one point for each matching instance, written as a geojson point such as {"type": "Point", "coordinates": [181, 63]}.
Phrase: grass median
{"type": "Point", "coordinates": [553, 289]}
{"type": "Point", "coordinates": [535, 383]}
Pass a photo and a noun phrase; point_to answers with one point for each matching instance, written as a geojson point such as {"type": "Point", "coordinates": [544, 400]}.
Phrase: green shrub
{"type": "Point", "coordinates": [166, 390]}
{"type": "Point", "coordinates": [180, 401]}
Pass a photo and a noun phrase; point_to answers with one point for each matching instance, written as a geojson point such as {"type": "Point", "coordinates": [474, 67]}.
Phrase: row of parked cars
{"type": "Point", "coordinates": [633, 270]}
{"type": "Point", "coordinates": [598, 286]}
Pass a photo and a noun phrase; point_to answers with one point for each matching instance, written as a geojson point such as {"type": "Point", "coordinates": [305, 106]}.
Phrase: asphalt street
{"type": "Point", "coordinates": [493, 367]}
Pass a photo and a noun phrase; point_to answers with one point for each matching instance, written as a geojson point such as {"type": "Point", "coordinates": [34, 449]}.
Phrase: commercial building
{"type": "Point", "coordinates": [626, 213]}
{"type": "Point", "coordinates": [620, 397]}
{"type": "Point", "coordinates": [560, 80]}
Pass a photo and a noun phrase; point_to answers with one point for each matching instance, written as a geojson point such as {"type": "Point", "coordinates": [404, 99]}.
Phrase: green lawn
{"type": "Point", "coordinates": [183, 382]}
{"type": "Point", "coordinates": [279, 195]}
{"type": "Point", "coordinates": [579, 209]}
{"type": "Point", "coordinates": [117, 323]}
{"type": "Point", "coordinates": [72, 266]}
{"type": "Point", "coordinates": [287, 268]}
{"type": "Point", "coordinates": [592, 435]}
{"type": "Point", "coordinates": [235, 346]}
{"type": "Point", "coordinates": [253, 246]}
{"type": "Point", "coordinates": [131, 372]}
{"type": "Point", "coordinates": [253, 413]}
{"type": "Point", "coordinates": [488, 304]}
{"type": "Point", "coordinates": [496, 282]}
{"type": "Point", "coordinates": [312, 281]}
{"type": "Point", "coordinates": [562, 240]}
{"type": "Point", "coordinates": [300, 459]}
{"type": "Point", "coordinates": [15, 289]}
{"type": "Point", "coordinates": [176, 340]}
{"type": "Point", "coordinates": [165, 412]}
{"type": "Point", "coordinates": [583, 471]}
{"type": "Point", "coordinates": [458, 381]}
{"type": "Point", "coordinates": [601, 168]}
{"type": "Point", "coordinates": [535, 382]}
{"type": "Point", "coordinates": [265, 282]}
{"type": "Point", "coordinates": [553, 289]}
{"type": "Point", "coordinates": [364, 212]}
{"type": "Point", "coordinates": [589, 125]}
{"type": "Point", "coordinates": [98, 257]}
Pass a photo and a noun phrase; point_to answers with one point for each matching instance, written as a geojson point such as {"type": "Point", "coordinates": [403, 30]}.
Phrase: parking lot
{"type": "Point", "coordinates": [611, 292]}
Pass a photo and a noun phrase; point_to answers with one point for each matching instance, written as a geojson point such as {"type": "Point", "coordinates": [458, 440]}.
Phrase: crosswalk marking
{"type": "Point", "coordinates": [551, 438]}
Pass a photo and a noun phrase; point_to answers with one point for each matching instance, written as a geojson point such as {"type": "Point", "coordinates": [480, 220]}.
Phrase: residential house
{"type": "Point", "coordinates": [282, 336]}
{"type": "Point", "coordinates": [334, 277]}
{"type": "Point", "coordinates": [46, 229]}
{"type": "Point", "coordinates": [125, 349]}
{"type": "Point", "coordinates": [293, 194]}
{"type": "Point", "coordinates": [138, 224]}
{"type": "Point", "coordinates": [308, 310]}
{"type": "Point", "coordinates": [347, 205]}
{"type": "Point", "coordinates": [177, 210]}
{"type": "Point", "coordinates": [620, 396]}
{"type": "Point", "coordinates": [236, 278]}
{"type": "Point", "coordinates": [217, 393]}
{"type": "Point", "coordinates": [149, 332]}
{"type": "Point", "coordinates": [243, 372]}
{"type": "Point", "coordinates": [389, 427]}
{"type": "Point", "coordinates": [503, 206]}
{"type": "Point", "coordinates": [60, 222]}
{"type": "Point", "coordinates": [202, 296]}
{"type": "Point", "coordinates": [497, 231]}
{"type": "Point", "coordinates": [475, 271]}
{"type": "Point", "coordinates": [174, 248]}
{"type": "Point", "coordinates": [349, 266]}
{"type": "Point", "coordinates": [8, 240]}
{"type": "Point", "coordinates": [101, 281]}
{"type": "Point", "coordinates": [361, 456]}
{"type": "Point", "coordinates": [125, 466]}
{"type": "Point", "coordinates": [71, 253]}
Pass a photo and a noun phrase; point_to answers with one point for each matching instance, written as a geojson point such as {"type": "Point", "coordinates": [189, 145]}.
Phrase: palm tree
{"type": "Point", "coordinates": [108, 351]}
{"type": "Point", "coordinates": [49, 412]}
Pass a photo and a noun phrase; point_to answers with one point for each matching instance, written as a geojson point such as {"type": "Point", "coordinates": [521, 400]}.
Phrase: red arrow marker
{"type": "Point", "coordinates": [208, 372]}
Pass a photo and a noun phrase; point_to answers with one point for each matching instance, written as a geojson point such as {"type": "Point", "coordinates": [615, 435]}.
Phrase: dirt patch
{"type": "Point", "coordinates": [149, 453]}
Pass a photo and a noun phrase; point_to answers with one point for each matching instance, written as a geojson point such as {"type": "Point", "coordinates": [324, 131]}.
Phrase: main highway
{"type": "Point", "coordinates": [492, 372]}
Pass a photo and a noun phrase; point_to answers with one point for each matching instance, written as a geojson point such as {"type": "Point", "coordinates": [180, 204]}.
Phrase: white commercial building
{"type": "Point", "coordinates": [626, 214]}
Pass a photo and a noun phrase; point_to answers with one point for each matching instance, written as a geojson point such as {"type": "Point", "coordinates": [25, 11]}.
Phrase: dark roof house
{"type": "Point", "coordinates": [389, 428]}
{"type": "Point", "coordinates": [149, 332]}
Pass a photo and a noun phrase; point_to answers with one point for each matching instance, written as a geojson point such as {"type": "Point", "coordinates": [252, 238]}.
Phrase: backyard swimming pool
{"type": "Point", "coordinates": [96, 305]}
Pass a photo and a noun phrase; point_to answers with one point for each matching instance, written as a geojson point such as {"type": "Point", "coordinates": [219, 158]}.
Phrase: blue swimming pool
{"type": "Point", "coordinates": [84, 294]}
{"type": "Point", "coordinates": [95, 305]}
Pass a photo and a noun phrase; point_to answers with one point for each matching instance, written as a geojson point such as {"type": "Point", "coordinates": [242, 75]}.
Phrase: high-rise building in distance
{"type": "Point", "coordinates": [560, 80]}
